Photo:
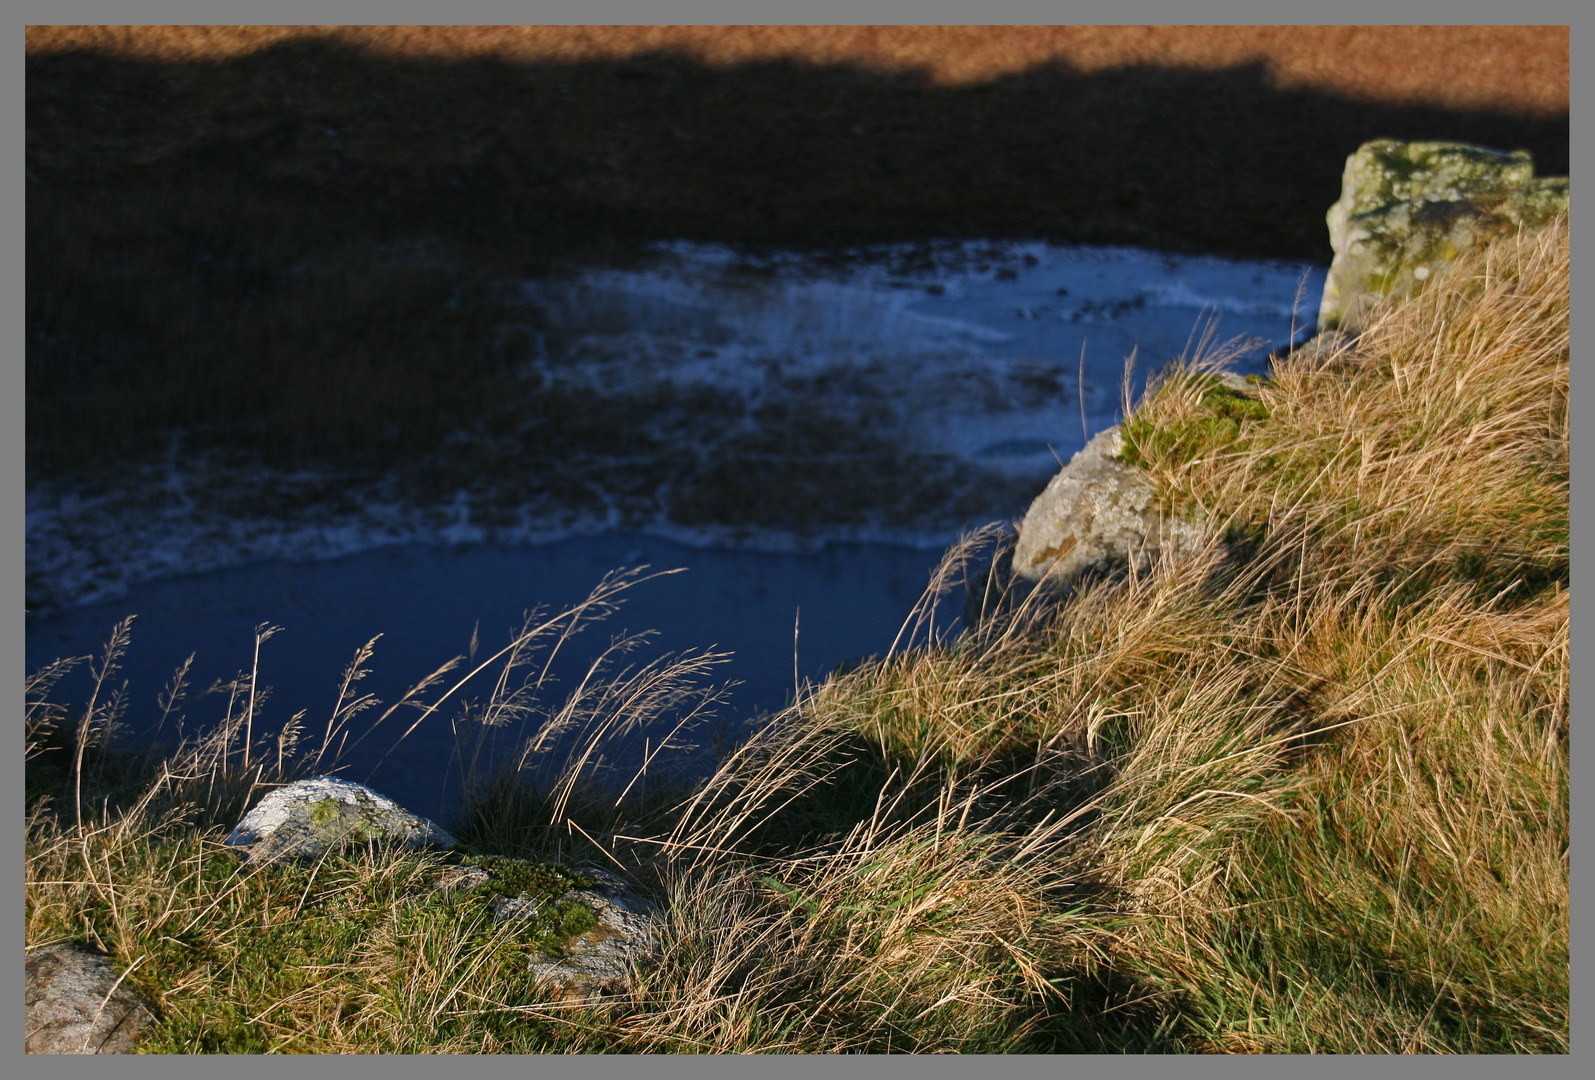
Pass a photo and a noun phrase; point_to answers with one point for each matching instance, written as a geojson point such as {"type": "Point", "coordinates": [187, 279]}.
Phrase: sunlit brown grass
{"type": "Point", "coordinates": [1525, 67]}
{"type": "Point", "coordinates": [1437, 444]}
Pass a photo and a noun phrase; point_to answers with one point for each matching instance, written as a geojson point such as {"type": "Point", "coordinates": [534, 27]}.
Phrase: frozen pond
{"type": "Point", "coordinates": [798, 432]}
{"type": "Point", "coordinates": [993, 354]}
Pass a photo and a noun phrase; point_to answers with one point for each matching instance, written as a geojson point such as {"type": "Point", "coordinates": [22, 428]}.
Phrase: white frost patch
{"type": "Point", "coordinates": [1182, 295]}
{"type": "Point", "coordinates": [83, 549]}
{"type": "Point", "coordinates": [974, 345]}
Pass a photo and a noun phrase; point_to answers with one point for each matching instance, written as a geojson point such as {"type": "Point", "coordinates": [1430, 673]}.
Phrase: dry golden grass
{"type": "Point", "coordinates": [1407, 499]}
{"type": "Point", "coordinates": [1439, 441]}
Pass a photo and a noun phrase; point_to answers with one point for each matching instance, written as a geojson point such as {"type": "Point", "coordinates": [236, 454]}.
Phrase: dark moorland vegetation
{"type": "Point", "coordinates": [305, 254]}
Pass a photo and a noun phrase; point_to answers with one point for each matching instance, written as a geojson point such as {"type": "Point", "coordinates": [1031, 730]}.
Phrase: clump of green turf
{"type": "Point", "coordinates": [552, 922]}
{"type": "Point", "coordinates": [1211, 427]}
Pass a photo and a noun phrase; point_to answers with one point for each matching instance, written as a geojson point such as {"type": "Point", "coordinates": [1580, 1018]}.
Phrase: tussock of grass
{"type": "Point", "coordinates": [1437, 445]}
{"type": "Point", "coordinates": [1304, 789]}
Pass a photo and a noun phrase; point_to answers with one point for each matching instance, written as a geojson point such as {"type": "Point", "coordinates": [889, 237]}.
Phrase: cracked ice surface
{"type": "Point", "coordinates": [893, 394]}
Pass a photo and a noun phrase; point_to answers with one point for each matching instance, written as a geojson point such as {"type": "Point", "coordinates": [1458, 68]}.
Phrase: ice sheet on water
{"type": "Point", "coordinates": [941, 382]}
{"type": "Point", "coordinates": [971, 345]}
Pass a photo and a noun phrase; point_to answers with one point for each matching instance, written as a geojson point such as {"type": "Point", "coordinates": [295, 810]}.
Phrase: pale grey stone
{"type": "Point", "coordinates": [602, 960]}
{"type": "Point", "coordinates": [1408, 208]}
{"type": "Point", "coordinates": [77, 1005]}
{"type": "Point", "coordinates": [523, 906]}
{"type": "Point", "coordinates": [307, 818]}
{"type": "Point", "coordinates": [1097, 514]}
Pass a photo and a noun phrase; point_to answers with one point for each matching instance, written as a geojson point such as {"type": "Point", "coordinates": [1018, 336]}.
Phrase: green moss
{"type": "Point", "coordinates": [553, 925]}
{"type": "Point", "coordinates": [514, 877]}
{"type": "Point", "coordinates": [323, 812]}
{"type": "Point", "coordinates": [1214, 427]}
{"type": "Point", "coordinates": [576, 919]}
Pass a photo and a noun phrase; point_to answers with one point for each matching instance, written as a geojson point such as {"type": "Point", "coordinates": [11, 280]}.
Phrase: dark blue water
{"type": "Point", "coordinates": [426, 601]}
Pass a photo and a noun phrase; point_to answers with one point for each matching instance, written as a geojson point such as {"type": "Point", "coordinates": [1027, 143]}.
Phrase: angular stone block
{"type": "Point", "coordinates": [1408, 208]}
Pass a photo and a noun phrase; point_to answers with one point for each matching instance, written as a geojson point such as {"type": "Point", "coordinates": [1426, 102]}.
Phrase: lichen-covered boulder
{"type": "Point", "coordinates": [1096, 514]}
{"type": "Point", "coordinates": [307, 818]}
{"type": "Point", "coordinates": [587, 928]}
{"type": "Point", "coordinates": [601, 959]}
{"type": "Point", "coordinates": [1408, 208]}
{"type": "Point", "coordinates": [76, 1004]}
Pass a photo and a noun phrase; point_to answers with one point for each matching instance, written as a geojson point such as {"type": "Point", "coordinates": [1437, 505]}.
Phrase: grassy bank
{"type": "Point", "coordinates": [1303, 790]}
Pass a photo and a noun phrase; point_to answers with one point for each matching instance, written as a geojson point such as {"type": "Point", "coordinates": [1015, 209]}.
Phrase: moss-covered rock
{"type": "Point", "coordinates": [308, 818]}
{"type": "Point", "coordinates": [537, 897]}
{"type": "Point", "coordinates": [586, 928]}
{"type": "Point", "coordinates": [1407, 208]}
{"type": "Point", "coordinates": [604, 948]}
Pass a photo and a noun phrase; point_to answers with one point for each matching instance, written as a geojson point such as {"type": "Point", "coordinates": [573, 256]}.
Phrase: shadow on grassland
{"type": "Point", "coordinates": [304, 248]}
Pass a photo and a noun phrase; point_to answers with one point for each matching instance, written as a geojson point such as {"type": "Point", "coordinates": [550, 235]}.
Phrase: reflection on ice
{"type": "Point", "coordinates": [973, 345]}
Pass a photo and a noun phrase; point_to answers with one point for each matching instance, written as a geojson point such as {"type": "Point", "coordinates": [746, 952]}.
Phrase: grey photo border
{"type": "Point", "coordinates": [12, 430]}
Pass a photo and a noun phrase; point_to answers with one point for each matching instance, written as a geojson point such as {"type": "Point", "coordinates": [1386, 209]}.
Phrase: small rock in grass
{"type": "Point", "coordinates": [600, 961]}
{"type": "Point", "coordinates": [77, 1005]}
{"type": "Point", "coordinates": [594, 949]}
{"type": "Point", "coordinates": [308, 818]}
{"type": "Point", "coordinates": [1097, 513]}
